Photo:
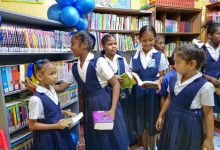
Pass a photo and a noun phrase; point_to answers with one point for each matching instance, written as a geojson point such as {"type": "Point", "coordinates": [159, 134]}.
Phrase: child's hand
{"type": "Point", "coordinates": [111, 113]}
{"type": "Point", "coordinates": [62, 124]}
{"type": "Point", "coordinates": [28, 84]}
{"type": "Point", "coordinates": [159, 85]}
{"type": "Point", "coordinates": [208, 145]}
{"type": "Point", "coordinates": [68, 113]}
{"type": "Point", "coordinates": [159, 123]}
{"type": "Point", "coordinates": [121, 81]}
{"type": "Point", "coordinates": [214, 81]}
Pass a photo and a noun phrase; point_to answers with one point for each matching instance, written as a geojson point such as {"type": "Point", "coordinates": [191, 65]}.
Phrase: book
{"type": "Point", "coordinates": [4, 79]}
{"type": "Point", "coordinates": [128, 80]}
{"type": "Point", "coordinates": [72, 121]}
{"type": "Point", "coordinates": [145, 84]}
{"type": "Point", "coordinates": [102, 122]}
{"type": "Point", "coordinates": [9, 79]}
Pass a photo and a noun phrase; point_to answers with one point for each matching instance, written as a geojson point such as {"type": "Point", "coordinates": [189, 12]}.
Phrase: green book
{"type": "Point", "coordinates": [128, 80]}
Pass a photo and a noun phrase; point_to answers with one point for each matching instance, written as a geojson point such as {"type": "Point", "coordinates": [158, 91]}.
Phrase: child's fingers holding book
{"type": "Point", "coordinates": [62, 124]}
{"type": "Point", "coordinates": [110, 113]}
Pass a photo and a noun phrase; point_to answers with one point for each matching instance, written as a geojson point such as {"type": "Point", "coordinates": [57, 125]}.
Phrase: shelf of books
{"type": "Point", "coordinates": [178, 25]}
{"type": "Point", "coordinates": [124, 23]}
{"type": "Point", "coordinates": [20, 46]}
{"type": "Point", "coordinates": [212, 13]}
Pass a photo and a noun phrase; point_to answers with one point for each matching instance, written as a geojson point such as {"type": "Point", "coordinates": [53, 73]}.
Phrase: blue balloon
{"type": "Point", "coordinates": [53, 12]}
{"type": "Point", "coordinates": [84, 6]}
{"type": "Point", "coordinates": [69, 16]}
{"type": "Point", "coordinates": [63, 3]}
{"type": "Point", "coordinates": [82, 24]}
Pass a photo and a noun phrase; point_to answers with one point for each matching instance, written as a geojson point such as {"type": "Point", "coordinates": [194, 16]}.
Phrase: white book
{"type": "Point", "coordinates": [145, 84]}
{"type": "Point", "coordinates": [72, 121]}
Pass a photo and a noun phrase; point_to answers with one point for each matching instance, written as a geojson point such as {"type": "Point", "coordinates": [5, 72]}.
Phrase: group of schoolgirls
{"type": "Point", "coordinates": [176, 111]}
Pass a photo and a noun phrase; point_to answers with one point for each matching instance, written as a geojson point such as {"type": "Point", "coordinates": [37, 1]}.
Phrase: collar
{"type": "Point", "coordinates": [41, 89]}
{"type": "Point", "coordinates": [209, 46]}
{"type": "Point", "coordinates": [114, 59]}
{"type": "Point", "coordinates": [140, 50]}
{"type": "Point", "coordinates": [179, 77]}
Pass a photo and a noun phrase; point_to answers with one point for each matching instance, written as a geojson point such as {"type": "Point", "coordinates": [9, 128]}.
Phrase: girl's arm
{"type": "Point", "coordinates": [61, 87]}
{"type": "Point", "coordinates": [162, 113]}
{"type": "Point", "coordinates": [209, 124]}
{"type": "Point", "coordinates": [115, 95]}
{"type": "Point", "coordinates": [58, 88]}
{"type": "Point", "coordinates": [213, 80]}
{"type": "Point", "coordinates": [34, 125]}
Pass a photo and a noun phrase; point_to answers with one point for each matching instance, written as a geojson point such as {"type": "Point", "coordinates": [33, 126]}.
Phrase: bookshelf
{"type": "Point", "coordinates": [21, 134]}
{"type": "Point", "coordinates": [212, 10]}
{"type": "Point", "coordinates": [176, 24]}
{"type": "Point", "coordinates": [124, 23]}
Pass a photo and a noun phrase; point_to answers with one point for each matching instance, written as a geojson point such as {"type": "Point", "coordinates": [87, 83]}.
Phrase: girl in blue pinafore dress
{"type": "Point", "coordinates": [212, 68]}
{"type": "Point", "coordinates": [190, 95]}
{"type": "Point", "coordinates": [45, 115]}
{"type": "Point", "coordinates": [94, 75]}
{"type": "Point", "coordinates": [119, 66]}
{"type": "Point", "coordinates": [149, 64]}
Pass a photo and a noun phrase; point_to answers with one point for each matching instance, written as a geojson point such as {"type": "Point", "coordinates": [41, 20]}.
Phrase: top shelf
{"type": "Point", "coordinates": [130, 12]}
{"type": "Point", "coordinates": [11, 17]}
{"type": "Point", "coordinates": [176, 9]}
{"type": "Point", "coordinates": [214, 6]}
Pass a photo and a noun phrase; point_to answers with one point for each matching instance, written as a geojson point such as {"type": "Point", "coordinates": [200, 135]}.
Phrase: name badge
{"type": "Point", "coordinates": [151, 63]}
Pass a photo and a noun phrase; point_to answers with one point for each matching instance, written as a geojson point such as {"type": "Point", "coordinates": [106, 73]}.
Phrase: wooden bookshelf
{"type": "Point", "coordinates": [125, 12]}
{"type": "Point", "coordinates": [185, 33]}
{"type": "Point", "coordinates": [211, 8]}
{"type": "Point", "coordinates": [118, 21]}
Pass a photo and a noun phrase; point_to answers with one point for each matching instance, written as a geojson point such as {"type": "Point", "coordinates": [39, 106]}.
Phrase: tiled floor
{"type": "Point", "coordinates": [81, 146]}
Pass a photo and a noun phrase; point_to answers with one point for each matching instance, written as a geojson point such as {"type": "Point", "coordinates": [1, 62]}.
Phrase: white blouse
{"type": "Point", "coordinates": [103, 71]}
{"type": "Point", "coordinates": [36, 110]}
{"type": "Point", "coordinates": [205, 95]}
{"type": "Point", "coordinates": [213, 52]}
{"type": "Point", "coordinates": [114, 63]}
{"type": "Point", "coordinates": [146, 59]}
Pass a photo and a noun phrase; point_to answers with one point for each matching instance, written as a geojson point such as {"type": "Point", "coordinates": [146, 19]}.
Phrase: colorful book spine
{"type": "Point", "coordinates": [4, 80]}
{"type": "Point", "coordinates": [9, 79]}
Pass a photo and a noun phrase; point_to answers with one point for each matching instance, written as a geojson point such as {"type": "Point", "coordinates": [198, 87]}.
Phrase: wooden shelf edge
{"type": "Point", "coordinates": [176, 8]}
{"type": "Point", "coordinates": [216, 4]}
{"type": "Point", "coordinates": [131, 12]}
{"type": "Point", "coordinates": [116, 31]}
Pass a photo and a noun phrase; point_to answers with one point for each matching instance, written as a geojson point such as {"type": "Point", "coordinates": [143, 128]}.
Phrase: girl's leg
{"type": "Point", "coordinates": [152, 142]}
{"type": "Point", "coordinates": [145, 139]}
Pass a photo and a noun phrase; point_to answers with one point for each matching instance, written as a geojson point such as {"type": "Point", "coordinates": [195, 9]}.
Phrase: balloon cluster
{"type": "Point", "coordinates": [71, 12]}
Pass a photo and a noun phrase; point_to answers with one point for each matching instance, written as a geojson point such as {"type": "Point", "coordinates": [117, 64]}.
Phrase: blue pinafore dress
{"type": "Point", "coordinates": [100, 99]}
{"type": "Point", "coordinates": [51, 139]}
{"type": "Point", "coordinates": [183, 127]}
{"type": "Point", "coordinates": [126, 104]}
{"type": "Point", "coordinates": [212, 69]}
{"type": "Point", "coordinates": [146, 102]}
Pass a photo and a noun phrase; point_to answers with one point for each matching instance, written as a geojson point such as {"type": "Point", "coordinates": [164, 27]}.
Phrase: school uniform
{"type": "Point", "coordinates": [119, 66]}
{"type": "Point", "coordinates": [183, 126]}
{"type": "Point", "coordinates": [93, 80]}
{"type": "Point", "coordinates": [212, 69]}
{"type": "Point", "coordinates": [165, 83]}
{"type": "Point", "coordinates": [146, 102]}
{"type": "Point", "coordinates": [45, 108]}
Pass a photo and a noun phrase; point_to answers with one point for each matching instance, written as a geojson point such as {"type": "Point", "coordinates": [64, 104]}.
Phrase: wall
{"type": "Point", "coordinates": [39, 10]}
